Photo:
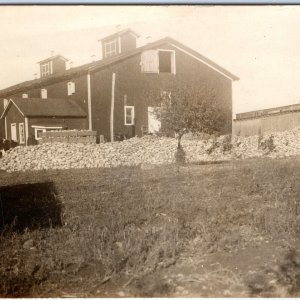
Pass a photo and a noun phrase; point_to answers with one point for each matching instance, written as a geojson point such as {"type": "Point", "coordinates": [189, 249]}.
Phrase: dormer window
{"type": "Point", "coordinates": [46, 69]}
{"type": "Point", "coordinates": [43, 93]}
{"type": "Point", "coordinates": [71, 88]}
{"type": "Point", "coordinates": [52, 65]}
{"type": "Point", "coordinates": [110, 48]}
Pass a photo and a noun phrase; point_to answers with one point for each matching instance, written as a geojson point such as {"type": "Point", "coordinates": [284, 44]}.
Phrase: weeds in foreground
{"type": "Point", "coordinates": [131, 222]}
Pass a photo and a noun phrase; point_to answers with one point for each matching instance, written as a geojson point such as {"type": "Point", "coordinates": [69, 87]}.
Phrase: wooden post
{"type": "Point", "coordinates": [26, 131]}
{"type": "Point", "coordinates": [89, 100]}
{"type": "Point", "coordinates": [112, 107]}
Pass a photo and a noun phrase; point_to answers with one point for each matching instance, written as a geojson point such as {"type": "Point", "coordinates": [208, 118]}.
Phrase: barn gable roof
{"type": "Point", "coordinates": [51, 107]}
{"type": "Point", "coordinates": [94, 66]}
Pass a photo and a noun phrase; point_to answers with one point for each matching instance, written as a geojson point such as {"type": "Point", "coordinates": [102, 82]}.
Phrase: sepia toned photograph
{"type": "Point", "coordinates": [149, 151]}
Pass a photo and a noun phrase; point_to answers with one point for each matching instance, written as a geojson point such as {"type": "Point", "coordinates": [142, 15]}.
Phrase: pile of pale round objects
{"type": "Point", "coordinates": [148, 150]}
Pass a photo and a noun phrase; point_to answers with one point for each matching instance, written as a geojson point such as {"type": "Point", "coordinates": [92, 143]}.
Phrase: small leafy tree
{"type": "Point", "coordinates": [188, 109]}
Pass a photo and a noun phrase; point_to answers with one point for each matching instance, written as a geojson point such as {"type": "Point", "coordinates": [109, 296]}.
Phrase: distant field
{"type": "Point", "coordinates": [152, 232]}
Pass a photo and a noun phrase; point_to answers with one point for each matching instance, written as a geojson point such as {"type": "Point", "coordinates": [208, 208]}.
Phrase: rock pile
{"type": "Point", "coordinates": [148, 150]}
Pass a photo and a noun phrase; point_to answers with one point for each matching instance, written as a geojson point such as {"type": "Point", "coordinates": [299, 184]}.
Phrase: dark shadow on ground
{"type": "Point", "coordinates": [31, 206]}
{"type": "Point", "coordinates": [282, 280]}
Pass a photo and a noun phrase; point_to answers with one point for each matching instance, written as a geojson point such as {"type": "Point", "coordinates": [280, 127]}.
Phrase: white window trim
{"type": "Point", "coordinates": [5, 128]}
{"type": "Point", "coordinates": [173, 59]}
{"type": "Point", "coordinates": [51, 67]}
{"type": "Point", "coordinates": [133, 115]}
{"type": "Point", "coordinates": [71, 88]}
{"type": "Point", "coordinates": [36, 131]}
{"type": "Point", "coordinates": [15, 125]}
{"type": "Point", "coordinates": [46, 127]}
{"type": "Point", "coordinates": [26, 131]}
{"type": "Point", "coordinates": [22, 141]}
{"type": "Point", "coordinates": [204, 62]}
{"type": "Point", "coordinates": [5, 103]}
{"type": "Point", "coordinates": [46, 93]}
{"type": "Point", "coordinates": [43, 129]}
{"type": "Point", "coordinates": [108, 50]}
{"type": "Point", "coordinates": [119, 44]}
{"type": "Point", "coordinates": [45, 69]}
{"type": "Point", "coordinates": [25, 96]}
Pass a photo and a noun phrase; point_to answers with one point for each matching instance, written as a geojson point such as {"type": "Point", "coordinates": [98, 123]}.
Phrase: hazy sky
{"type": "Point", "coordinates": [259, 44]}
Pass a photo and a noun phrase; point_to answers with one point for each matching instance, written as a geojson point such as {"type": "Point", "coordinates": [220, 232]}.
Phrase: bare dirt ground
{"type": "Point", "coordinates": [216, 230]}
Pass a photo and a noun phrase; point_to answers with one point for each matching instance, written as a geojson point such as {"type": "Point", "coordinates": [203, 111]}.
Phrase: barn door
{"type": "Point", "coordinates": [13, 132]}
{"type": "Point", "coordinates": [153, 124]}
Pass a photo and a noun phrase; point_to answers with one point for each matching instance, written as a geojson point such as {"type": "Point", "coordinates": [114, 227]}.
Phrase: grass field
{"type": "Point", "coordinates": [228, 229]}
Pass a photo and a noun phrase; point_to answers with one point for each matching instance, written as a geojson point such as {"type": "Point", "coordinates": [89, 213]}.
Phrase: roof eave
{"type": "Point", "coordinates": [52, 57]}
{"type": "Point", "coordinates": [55, 116]}
{"type": "Point", "coordinates": [135, 34]}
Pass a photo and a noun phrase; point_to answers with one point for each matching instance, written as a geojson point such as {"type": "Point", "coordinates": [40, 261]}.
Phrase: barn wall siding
{"type": "Point", "coordinates": [128, 42]}
{"type": "Point", "coordinates": [2, 121]}
{"type": "Point", "coordinates": [138, 88]}
{"type": "Point", "coordinates": [263, 125]}
{"type": "Point", "coordinates": [2, 129]}
{"type": "Point", "coordinates": [60, 90]}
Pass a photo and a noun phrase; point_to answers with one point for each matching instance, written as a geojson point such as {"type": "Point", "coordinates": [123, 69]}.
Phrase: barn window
{"type": "Point", "coordinates": [71, 88]}
{"type": "Point", "coordinates": [129, 115]}
{"type": "Point", "coordinates": [25, 96]}
{"type": "Point", "coordinates": [44, 93]}
{"type": "Point", "coordinates": [158, 61]}
{"type": "Point", "coordinates": [13, 131]}
{"type": "Point", "coordinates": [149, 61]}
{"type": "Point", "coordinates": [21, 133]}
{"type": "Point", "coordinates": [110, 48]}
{"type": "Point", "coordinates": [167, 61]}
{"type": "Point", "coordinates": [45, 69]}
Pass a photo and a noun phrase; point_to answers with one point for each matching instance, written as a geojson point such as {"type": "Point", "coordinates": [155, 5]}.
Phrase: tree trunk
{"type": "Point", "coordinates": [179, 141]}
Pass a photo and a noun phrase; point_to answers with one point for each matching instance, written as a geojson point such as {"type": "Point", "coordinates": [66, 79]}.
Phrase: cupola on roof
{"type": "Point", "coordinates": [52, 65]}
{"type": "Point", "coordinates": [118, 43]}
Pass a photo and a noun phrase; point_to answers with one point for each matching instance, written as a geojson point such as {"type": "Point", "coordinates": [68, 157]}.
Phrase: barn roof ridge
{"type": "Point", "coordinates": [94, 66]}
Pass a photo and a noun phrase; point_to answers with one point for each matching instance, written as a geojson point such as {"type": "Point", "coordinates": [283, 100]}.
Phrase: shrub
{"type": "Point", "coordinates": [266, 144]}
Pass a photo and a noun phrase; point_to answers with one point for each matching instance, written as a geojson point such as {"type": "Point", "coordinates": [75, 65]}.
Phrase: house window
{"type": "Point", "coordinates": [45, 69]}
{"type": "Point", "coordinates": [110, 48]}
{"type": "Point", "coordinates": [38, 133]}
{"type": "Point", "coordinates": [71, 88]}
{"type": "Point", "coordinates": [43, 93]}
{"type": "Point", "coordinates": [129, 115]}
{"type": "Point", "coordinates": [38, 130]}
{"type": "Point", "coordinates": [158, 61]}
{"type": "Point", "coordinates": [13, 131]}
{"type": "Point", "coordinates": [25, 96]}
{"type": "Point", "coordinates": [21, 133]}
